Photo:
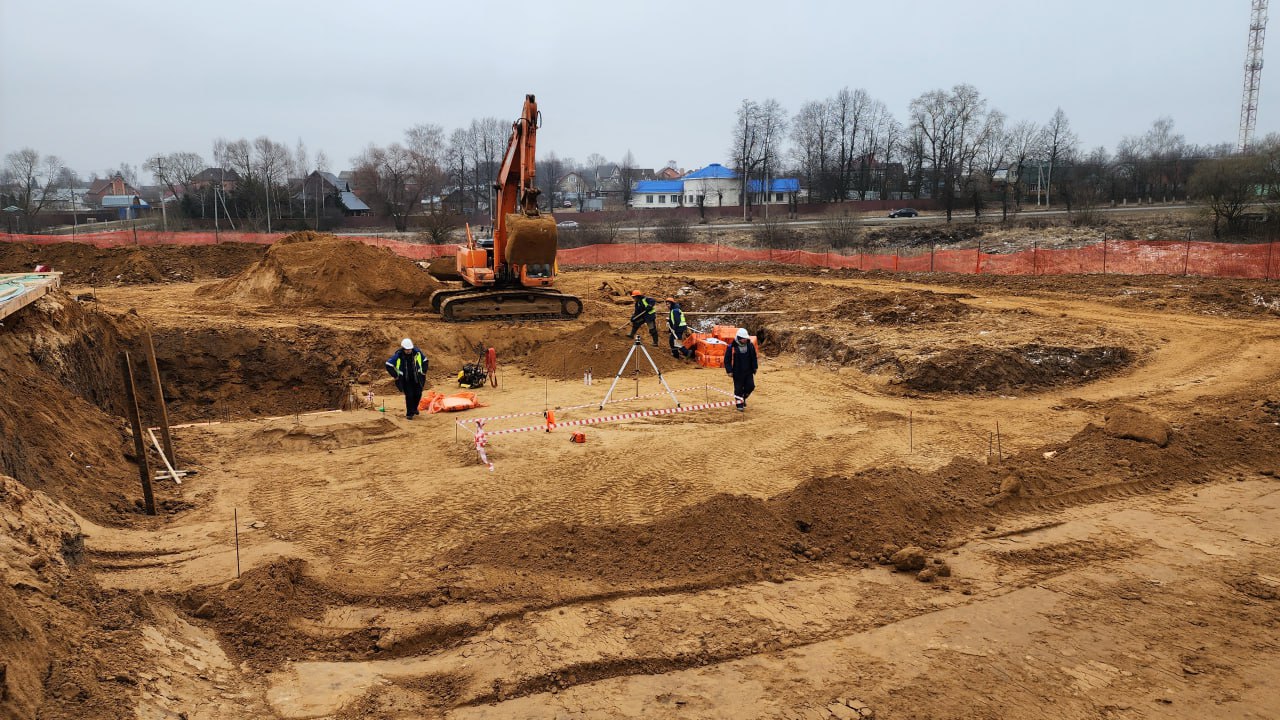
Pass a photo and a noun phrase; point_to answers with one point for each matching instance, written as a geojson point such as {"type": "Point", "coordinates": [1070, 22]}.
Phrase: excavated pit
{"type": "Point", "coordinates": [368, 538]}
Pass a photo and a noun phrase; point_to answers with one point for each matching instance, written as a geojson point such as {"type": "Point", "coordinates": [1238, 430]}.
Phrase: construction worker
{"type": "Point", "coordinates": [677, 326]}
{"type": "Point", "coordinates": [409, 368]}
{"type": "Point", "coordinates": [646, 313]}
{"type": "Point", "coordinates": [740, 363]}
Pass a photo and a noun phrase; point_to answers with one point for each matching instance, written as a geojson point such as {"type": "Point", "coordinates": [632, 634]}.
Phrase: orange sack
{"type": "Point", "coordinates": [434, 402]}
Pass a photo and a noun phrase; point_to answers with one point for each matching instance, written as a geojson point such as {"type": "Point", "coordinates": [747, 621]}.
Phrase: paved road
{"type": "Point", "coordinates": [927, 219]}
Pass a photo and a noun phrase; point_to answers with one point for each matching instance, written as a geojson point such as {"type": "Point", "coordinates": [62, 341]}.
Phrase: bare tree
{"type": "Point", "coordinates": [175, 170]}
{"type": "Point", "coordinates": [1083, 183]}
{"type": "Point", "coordinates": [1059, 142]}
{"type": "Point", "coordinates": [401, 174]}
{"type": "Point", "coordinates": [757, 138]}
{"type": "Point", "coordinates": [272, 160]}
{"type": "Point", "coordinates": [991, 149]}
{"type": "Point", "coordinates": [811, 147]}
{"type": "Point", "coordinates": [456, 164]}
{"type": "Point", "coordinates": [488, 144]}
{"type": "Point", "coordinates": [879, 134]}
{"type": "Point", "coordinates": [234, 155]}
{"type": "Point", "coordinates": [949, 124]}
{"type": "Point", "coordinates": [1227, 186]}
{"type": "Point", "coordinates": [1024, 143]}
{"type": "Point", "coordinates": [34, 179]}
{"type": "Point", "coordinates": [627, 173]}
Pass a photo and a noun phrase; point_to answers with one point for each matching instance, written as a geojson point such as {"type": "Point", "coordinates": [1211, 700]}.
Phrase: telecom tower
{"type": "Point", "coordinates": [1252, 73]}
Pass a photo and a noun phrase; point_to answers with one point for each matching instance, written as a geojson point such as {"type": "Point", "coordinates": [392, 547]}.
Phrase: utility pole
{"type": "Point", "coordinates": [164, 213]}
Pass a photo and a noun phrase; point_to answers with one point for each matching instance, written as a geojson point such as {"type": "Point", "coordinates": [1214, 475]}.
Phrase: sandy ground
{"type": "Point", "coordinates": [714, 563]}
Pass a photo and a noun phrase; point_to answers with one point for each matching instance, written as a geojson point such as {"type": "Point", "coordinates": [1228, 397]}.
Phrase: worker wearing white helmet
{"type": "Point", "coordinates": [741, 362]}
{"type": "Point", "coordinates": [409, 368]}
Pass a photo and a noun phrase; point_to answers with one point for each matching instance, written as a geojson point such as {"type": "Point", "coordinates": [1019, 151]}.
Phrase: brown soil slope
{"type": "Point", "coordinates": [306, 269]}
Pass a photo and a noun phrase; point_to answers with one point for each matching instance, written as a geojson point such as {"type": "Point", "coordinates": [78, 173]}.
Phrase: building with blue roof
{"type": "Point", "coordinates": [712, 186]}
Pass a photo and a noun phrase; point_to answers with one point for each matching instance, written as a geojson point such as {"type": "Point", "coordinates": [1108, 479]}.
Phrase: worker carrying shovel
{"type": "Point", "coordinates": [409, 368]}
{"type": "Point", "coordinates": [677, 326]}
{"type": "Point", "coordinates": [645, 313]}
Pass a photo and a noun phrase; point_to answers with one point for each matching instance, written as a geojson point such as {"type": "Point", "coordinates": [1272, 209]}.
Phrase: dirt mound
{"type": "Point", "coordinates": [306, 269]}
{"type": "Point", "coordinates": [901, 308]}
{"type": "Point", "coordinates": [850, 519]}
{"type": "Point", "coordinates": [255, 613]}
{"type": "Point", "coordinates": [600, 347]}
{"type": "Point", "coordinates": [975, 368]}
{"type": "Point", "coordinates": [82, 264]}
{"type": "Point", "coordinates": [731, 538]}
{"type": "Point", "coordinates": [1133, 424]}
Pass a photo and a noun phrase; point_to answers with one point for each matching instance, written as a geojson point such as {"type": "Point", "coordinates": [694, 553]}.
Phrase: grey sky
{"type": "Point", "coordinates": [103, 83]}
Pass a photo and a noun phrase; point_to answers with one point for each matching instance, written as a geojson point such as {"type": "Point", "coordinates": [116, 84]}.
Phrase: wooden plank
{"type": "Point", "coordinates": [170, 458]}
{"type": "Point", "coordinates": [35, 289]}
{"type": "Point", "coordinates": [131, 407]}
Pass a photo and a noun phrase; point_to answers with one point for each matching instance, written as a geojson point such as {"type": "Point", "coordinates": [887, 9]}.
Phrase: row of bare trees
{"type": "Point", "coordinates": [954, 147]}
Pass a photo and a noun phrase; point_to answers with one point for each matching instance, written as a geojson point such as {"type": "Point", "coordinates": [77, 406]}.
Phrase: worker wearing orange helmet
{"type": "Point", "coordinates": [645, 313]}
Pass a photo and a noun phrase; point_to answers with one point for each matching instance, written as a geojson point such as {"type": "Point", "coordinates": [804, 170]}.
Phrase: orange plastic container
{"type": "Point", "coordinates": [692, 339]}
{"type": "Point", "coordinates": [711, 359]}
{"type": "Point", "coordinates": [724, 333]}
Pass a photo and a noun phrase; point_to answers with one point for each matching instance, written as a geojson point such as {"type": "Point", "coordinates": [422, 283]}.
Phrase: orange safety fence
{"type": "Point", "coordinates": [1121, 257]}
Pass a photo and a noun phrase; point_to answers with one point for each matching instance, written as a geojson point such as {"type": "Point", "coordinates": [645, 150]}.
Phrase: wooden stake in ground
{"type": "Point", "coordinates": [235, 522]}
{"type": "Point", "coordinates": [999, 451]}
{"type": "Point", "coordinates": [131, 408]}
{"type": "Point", "coordinates": [165, 438]}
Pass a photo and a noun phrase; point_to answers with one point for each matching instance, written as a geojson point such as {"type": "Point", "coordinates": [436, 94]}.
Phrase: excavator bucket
{"type": "Point", "coordinates": [531, 240]}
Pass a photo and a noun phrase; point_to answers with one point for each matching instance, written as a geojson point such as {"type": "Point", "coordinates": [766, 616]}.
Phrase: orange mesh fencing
{"type": "Point", "coordinates": [1121, 257]}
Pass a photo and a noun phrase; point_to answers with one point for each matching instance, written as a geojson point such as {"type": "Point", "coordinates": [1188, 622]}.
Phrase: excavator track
{"type": "Point", "coordinates": [506, 304]}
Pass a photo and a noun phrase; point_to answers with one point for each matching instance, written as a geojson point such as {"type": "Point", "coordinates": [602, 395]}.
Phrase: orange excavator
{"type": "Point", "coordinates": [512, 275]}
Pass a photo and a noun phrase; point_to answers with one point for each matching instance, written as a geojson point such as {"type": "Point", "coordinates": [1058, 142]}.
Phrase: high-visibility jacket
{"type": "Point", "coordinates": [675, 319]}
{"type": "Point", "coordinates": [414, 372]}
{"type": "Point", "coordinates": [646, 309]}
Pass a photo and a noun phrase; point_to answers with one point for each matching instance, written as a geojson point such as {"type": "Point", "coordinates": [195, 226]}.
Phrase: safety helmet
{"type": "Point", "coordinates": [636, 293]}
{"type": "Point", "coordinates": [671, 299]}
{"type": "Point", "coordinates": [742, 334]}
{"type": "Point", "coordinates": [407, 344]}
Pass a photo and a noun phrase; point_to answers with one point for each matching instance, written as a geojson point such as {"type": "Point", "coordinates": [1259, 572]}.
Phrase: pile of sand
{"type": "Point", "coordinates": [599, 346]}
{"type": "Point", "coordinates": [307, 268]}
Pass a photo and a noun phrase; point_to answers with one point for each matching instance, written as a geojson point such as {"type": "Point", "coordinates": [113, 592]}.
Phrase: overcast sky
{"type": "Point", "coordinates": [100, 83]}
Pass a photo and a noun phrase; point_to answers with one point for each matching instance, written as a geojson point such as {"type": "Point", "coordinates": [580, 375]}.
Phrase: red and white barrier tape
{"type": "Point", "coordinates": [595, 404]}
{"type": "Point", "coordinates": [482, 436]}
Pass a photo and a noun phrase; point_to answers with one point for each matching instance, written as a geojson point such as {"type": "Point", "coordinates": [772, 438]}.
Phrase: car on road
{"type": "Point", "coordinates": [904, 212]}
{"type": "Point", "coordinates": [567, 224]}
